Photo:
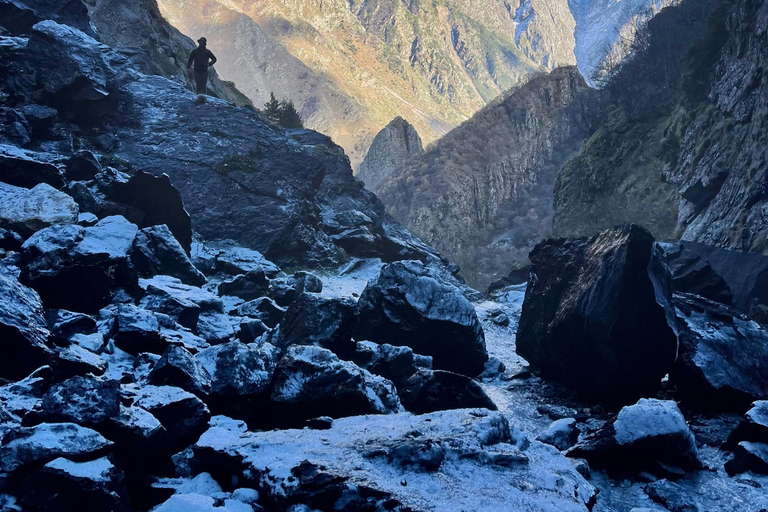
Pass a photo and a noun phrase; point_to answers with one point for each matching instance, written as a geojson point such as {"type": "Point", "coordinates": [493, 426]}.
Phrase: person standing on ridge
{"type": "Point", "coordinates": [202, 58]}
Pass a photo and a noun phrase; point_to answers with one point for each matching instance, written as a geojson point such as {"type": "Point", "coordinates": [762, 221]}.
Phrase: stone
{"type": "Point", "coordinates": [723, 357]}
{"type": "Point", "coordinates": [26, 211]}
{"type": "Point", "coordinates": [84, 400]}
{"type": "Point", "coordinates": [75, 360]}
{"type": "Point", "coordinates": [139, 437]}
{"type": "Point", "coordinates": [264, 309]}
{"type": "Point", "coordinates": [19, 398]}
{"type": "Point", "coordinates": [672, 496]}
{"type": "Point", "coordinates": [249, 286]}
{"type": "Point", "coordinates": [10, 240]}
{"type": "Point", "coordinates": [644, 437]}
{"type": "Point", "coordinates": [24, 446]}
{"type": "Point", "coordinates": [597, 314]}
{"type": "Point", "coordinates": [65, 324]}
{"type": "Point", "coordinates": [748, 456]}
{"type": "Point", "coordinates": [214, 327]}
{"type": "Point", "coordinates": [23, 329]}
{"type": "Point", "coordinates": [562, 434]}
{"type": "Point", "coordinates": [27, 169]}
{"type": "Point", "coordinates": [182, 414]}
{"type": "Point", "coordinates": [235, 260]}
{"type": "Point", "coordinates": [178, 367]}
{"type": "Point", "coordinates": [40, 118]}
{"type": "Point", "coordinates": [753, 427]}
{"type": "Point", "coordinates": [327, 322]}
{"type": "Point", "coordinates": [436, 390]}
{"type": "Point", "coordinates": [251, 330]}
{"type": "Point", "coordinates": [391, 149]}
{"type": "Point", "coordinates": [162, 299]}
{"type": "Point", "coordinates": [406, 305]}
{"type": "Point", "coordinates": [205, 300]}
{"type": "Point", "coordinates": [237, 369]}
{"type": "Point", "coordinates": [82, 166]}
{"type": "Point", "coordinates": [157, 252]}
{"type": "Point", "coordinates": [392, 363]}
{"type": "Point", "coordinates": [285, 290]}
{"type": "Point", "coordinates": [311, 381]}
{"type": "Point", "coordinates": [137, 330]}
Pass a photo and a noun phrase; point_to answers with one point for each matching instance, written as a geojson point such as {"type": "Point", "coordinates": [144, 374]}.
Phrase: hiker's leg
{"type": "Point", "coordinates": [201, 80]}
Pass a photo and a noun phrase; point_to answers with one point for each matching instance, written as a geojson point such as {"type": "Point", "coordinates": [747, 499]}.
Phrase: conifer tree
{"type": "Point", "coordinates": [289, 116]}
{"type": "Point", "coordinates": [272, 109]}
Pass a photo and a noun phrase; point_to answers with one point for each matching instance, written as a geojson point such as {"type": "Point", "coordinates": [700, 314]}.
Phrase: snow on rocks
{"type": "Point", "coordinates": [753, 427]}
{"type": "Point", "coordinates": [320, 321]}
{"type": "Point", "coordinates": [393, 363]}
{"type": "Point", "coordinates": [407, 305]}
{"type": "Point", "coordinates": [237, 369]}
{"type": "Point", "coordinates": [597, 314]}
{"type": "Point", "coordinates": [23, 330]}
{"type": "Point", "coordinates": [562, 434]}
{"type": "Point", "coordinates": [178, 367]}
{"type": "Point", "coordinates": [311, 381]}
{"type": "Point", "coordinates": [264, 309]}
{"type": "Point", "coordinates": [84, 400]}
{"type": "Point", "coordinates": [362, 461]}
{"type": "Point", "coordinates": [156, 251]}
{"type": "Point", "coordinates": [429, 391]}
{"type": "Point", "coordinates": [137, 330]}
{"type": "Point", "coordinates": [23, 168]}
{"type": "Point", "coordinates": [650, 435]}
{"type": "Point", "coordinates": [27, 211]}
{"type": "Point", "coordinates": [723, 359]}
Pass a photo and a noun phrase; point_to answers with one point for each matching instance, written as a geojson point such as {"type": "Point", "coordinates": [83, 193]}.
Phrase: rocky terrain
{"type": "Point", "coordinates": [203, 312]}
{"type": "Point", "coordinates": [483, 193]}
{"type": "Point", "coordinates": [352, 67]}
{"type": "Point", "coordinates": [393, 148]}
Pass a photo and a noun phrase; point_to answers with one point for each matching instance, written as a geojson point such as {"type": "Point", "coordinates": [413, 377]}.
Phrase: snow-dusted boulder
{"type": "Point", "coordinates": [140, 438]}
{"type": "Point", "coordinates": [406, 305]}
{"type": "Point", "coordinates": [753, 427]}
{"type": "Point", "coordinates": [83, 400]}
{"type": "Point", "coordinates": [178, 367]}
{"type": "Point", "coordinates": [65, 324]}
{"type": "Point", "coordinates": [264, 309]}
{"type": "Point", "coordinates": [137, 330]}
{"type": "Point", "coordinates": [26, 211]}
{"type": "Point", "coordinates": [182, 414]}
{"type": "Point", "coordinates": [562, 434]}
{"type": "Point", "coordinates": [23, 330]}
{"type": "Point", "coordinates": [82, 166]}
{"type": "Point", "coordinates": [237, 369]}
{"type": "Point", "coordinates": [10, 240]}
{"type": "Point", "coordinates": [111, 238]}
{"type": "Point", "coordinates": [42, 443]}
{"type": "Point", "coordinates": [162, 300]}
{"type": "Point", "coordinates": [75, 360]}
{"type": "Point", "coordinates": [248, 286]}
{"type": "Point", "coordinates": [428, 391]}
{"type": "Point", "coordinates": [311, 381]}
{"type": "Point", "coordinates": [645, 436]}
{"type": "Point", "coordinates": [25, 395]}
{"type": "Point", "coordinates": [723, 357]}
{"type": "Point", "coordinates": [393, 363]}
{"type": "Point", "coordinates": [215, 327]}
{"type": "Point", "coordinates": [27, 169]}
{"type": "Point", "coordinates": [597, 313]}
{"type": "Point", "coordinates": [157, 252]}
{"type": "Point", "coordinates": [285, 290]}
{"type": "Point", "coordinates": [748, 456]}
{"type": "Point", "coordinates": [326, 322]}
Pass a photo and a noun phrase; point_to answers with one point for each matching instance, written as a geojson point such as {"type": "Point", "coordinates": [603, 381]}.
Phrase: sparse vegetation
{"type": "Point", "coordinates": [282, 112]}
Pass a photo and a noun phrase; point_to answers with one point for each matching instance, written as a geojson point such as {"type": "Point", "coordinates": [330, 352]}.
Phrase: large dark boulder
{"type": "Point", "coordinates": [428, 391]}
{"type": "Point", "coordinates": [264, 309]}
{"type": "Point", "coordinates": [82, 166]}
{"type": "Point", "coordinates": [29, 210]}
{"type": "Point", "coordinates": [597, 313]}
{"type": "Point", "coordinates": [248, 286]}
{"type": "Point", "coordinates": [407, 305]}
{"type": "Point", "coordinates": [27, 169]}
{"type": "Point", "coordinates": [753, 427]}
{"type": "Point", "coordinates": [391, 362]}
{"type": "Point", "coordinates": [326, 322]}
{"type": "Point", "coordinates": [311, 381]}
{"type": "Point", "coordinates": [723, 357]}
{"type": "Point", "coordinates": [648, 436]}
{"type": "Point", "coordinates": [156, 251]}
{"type": "Point", "coordinates": [178, 367]}
{"type": "Point", "coordinates": [83, 400]}
{"type": "Point", "coordinates": [23, 330]}
{"type": "Point", "coordinates": [137, 330]}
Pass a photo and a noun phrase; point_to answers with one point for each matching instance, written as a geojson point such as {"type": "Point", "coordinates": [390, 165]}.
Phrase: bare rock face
{"type": "Point", "coordinates": [597, 313]}
{"type": "Point", "coordinates": [391, 150]}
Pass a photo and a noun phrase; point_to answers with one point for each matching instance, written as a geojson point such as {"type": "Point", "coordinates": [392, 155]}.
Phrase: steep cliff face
{"type": "Point", "coordinates": [483, 194]}
{"type": "Point", "coordinates": [681, 148]}
{"type": "Point", "coordinates": [392, 149]}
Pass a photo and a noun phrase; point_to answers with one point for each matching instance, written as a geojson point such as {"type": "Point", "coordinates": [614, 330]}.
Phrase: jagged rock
{"type": "Point", "coordinates": [693, 274]}
{"type": "Point", "coordinates": [597, 313]}
{"type": "Point", "coordinates": [182, 414]}
{"type": "Point", "coordinates": [27, 169]}
{"type": "Point", "coordinates": [320, 321]}
{"type": "Point", "coordinates": [406, 305]}
{"type": "Point", "coordinates": [112, 237]}
{"type": "Point", "coordinates": [645, 436]}
{"type": "Point", "coordinates": [172, 286]}
{"type": "Point", "coordinates": [75, 360]}
{"type": "Point", "coordinates": [25, 395]}
{"type": "Point", "coordinates": [10, 240]}
{"type": "Point", "coordinates": [390, 151]}
{"type": "Point", "coordinates": [748, 456]}
{"type": "Point", "coordinates": [515, 277]}
{"type": "Point", "coordinates": [392, 363]}
{"type": "Point", "coordinates": [562, 434]}
{"type": "Point", "coordinates": [40, 118]}
{"type": "Point", "coordinates": [178, 367]}
{"type": "Point", "coordinates": [723, 358]}
{"type": "Point", "coordinates": [94, 342]}
{"type": "Point", "coordinates": [90, 486]}
{"type": "Point", "coordinates": [155, 251]}
{"type": "Point", "coordinates": [82, 166]}
{"type": "Point", "coordinates": [249, 286]}
{"type": "Point", "coordinates": [165, 299]}
{"type": "Point", "coordinates": [753, 427]}
{"type": "Point", "coordinates": [42, 443]}
{"type": "Point", "coordinates": [138, 435]}
{"type": "Point", "coordinates": [214, 327]}
{"type": "Point", "coordinates": [672, 496]}
{"type": "Point", "coordinates": [23, 332]}
{"type": "Point", "coordinates": [234, 260]}
{"type": "Point", "coordinates": [237, 369]}
{"type": "Point", "coordinates": [137, 330]}
{"type": "Point", "coordinates": [250, 330]}
{"type": "Point", "coordinates": [428, 391]}
{"type": "Point", "coordinates": [285, 290]}
{"type": "Point", "coordinates": [84, 400]}
{"type": "Point", "coordinates": [17, 17]}
{"type": "Point", "coordinates": [26, 211]}
{"type": "Point", "coordinates": [65, 324]}
{"type": "Point", "coordinates": [311, 381]}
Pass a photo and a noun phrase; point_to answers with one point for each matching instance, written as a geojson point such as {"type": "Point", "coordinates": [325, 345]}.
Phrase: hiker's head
{"type": "Point", "coordinates": [202, 41]}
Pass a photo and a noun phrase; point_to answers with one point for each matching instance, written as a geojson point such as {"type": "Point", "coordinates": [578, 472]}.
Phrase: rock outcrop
{"type": "Point", "coordinates": [597, 313]}
{"type": "Point", "coordinates": [391, 150]}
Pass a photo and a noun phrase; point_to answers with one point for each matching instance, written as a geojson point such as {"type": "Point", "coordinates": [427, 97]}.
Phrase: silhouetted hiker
{"type": "Point", "coordinates": [203, 58]}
